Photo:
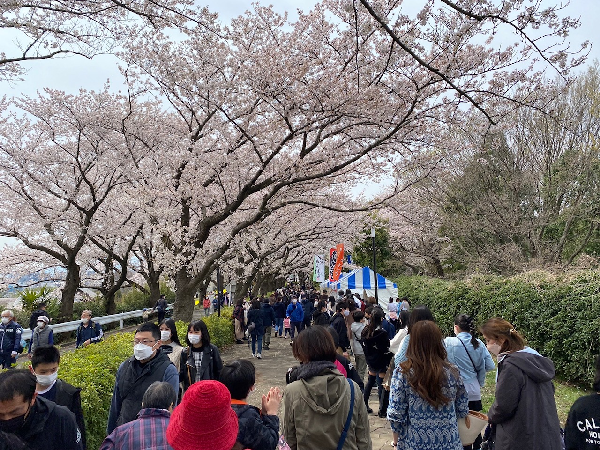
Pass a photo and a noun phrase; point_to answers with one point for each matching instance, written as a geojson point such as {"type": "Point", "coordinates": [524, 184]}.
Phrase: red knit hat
{"type": "Point", "coordinates": [204, 420]}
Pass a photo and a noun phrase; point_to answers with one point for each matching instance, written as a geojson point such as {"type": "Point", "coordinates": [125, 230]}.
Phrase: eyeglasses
{"type": "Point", "coordinates": [144, 341]}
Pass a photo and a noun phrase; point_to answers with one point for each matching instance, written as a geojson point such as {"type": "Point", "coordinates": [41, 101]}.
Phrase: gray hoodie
{"type": "Point", "coordinates": [524, 410]}
{"type": "Point", "coordinates": [357, 328]}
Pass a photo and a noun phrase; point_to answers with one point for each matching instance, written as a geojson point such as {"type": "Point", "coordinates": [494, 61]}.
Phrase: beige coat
{"type": "Point", "coordinates": [316, 409]}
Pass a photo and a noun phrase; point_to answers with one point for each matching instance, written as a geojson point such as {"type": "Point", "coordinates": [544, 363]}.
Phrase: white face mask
{"type": "Point", "coordinates": [194, 338]}
{"type": "Point", "coordinates": [141, 351]}
{"type": "Point", "coordinates": [494, 349]}
{"type": "Point", "coordinates": [5, 320]}
{"type": "Point", "coordinates": [41, 324]}
{"type": "Point", "coordinates": [86, 320]}
{"type": "Point", "coordinates": [165, 335]}
{"type": "Point", "coordinates": [294, 301]}
{"type": "Point", "coordinates": [46, 380]}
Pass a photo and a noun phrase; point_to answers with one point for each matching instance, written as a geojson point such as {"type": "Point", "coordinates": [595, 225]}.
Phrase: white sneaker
{"type": "Point", "coordinates": [259, 356]}
{"type": "Point", "coordinates": [254, 355]}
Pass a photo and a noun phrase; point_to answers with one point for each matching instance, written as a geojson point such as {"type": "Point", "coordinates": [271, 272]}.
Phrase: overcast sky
{"type": "Point", "coordinates": [72, 73]}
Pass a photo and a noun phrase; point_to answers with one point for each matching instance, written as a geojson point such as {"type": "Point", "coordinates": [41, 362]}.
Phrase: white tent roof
{"type": "Point", "coordinates": [363, 279]}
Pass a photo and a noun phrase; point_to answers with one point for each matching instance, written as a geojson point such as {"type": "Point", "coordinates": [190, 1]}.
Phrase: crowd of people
{"type": "Point", "coordinates": [179, 394]}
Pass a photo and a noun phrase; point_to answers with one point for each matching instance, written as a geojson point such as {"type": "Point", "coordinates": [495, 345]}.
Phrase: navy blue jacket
{"type": "Point", "coordinates": [308, 307]}
{"type": "Point", "coordinates": [389, 328]}
{"type": "Point", "coordinates": [10, 337]}
{"type": "Point", "coordinates": [93, 332]}
{"type": "Point", "coordinates": [256, 432]}
{"type": "Point", "coordinates": [256, 316]}
{"type": "Point", "coordinates": [279, 309]}
{"type": "Point", "coordinates": [268, 315]}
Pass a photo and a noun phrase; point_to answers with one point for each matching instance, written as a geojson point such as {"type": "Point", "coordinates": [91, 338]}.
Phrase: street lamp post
{"type": "Point", "coordinates": [374, 264]}
{"type": "Point", "coordinates": [219, 291]}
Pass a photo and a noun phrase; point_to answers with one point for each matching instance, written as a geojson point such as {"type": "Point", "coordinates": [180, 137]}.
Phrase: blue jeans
{"type": "Point", "coordinates": [258, 338]}
{"type": "Point", "coordinates": [296, 326]}
{"type": "Point", "coordinates": [279, 325]}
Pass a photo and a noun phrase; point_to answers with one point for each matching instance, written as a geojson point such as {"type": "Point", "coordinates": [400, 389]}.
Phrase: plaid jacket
{"type": "Point", "coordinates": [149, 430]}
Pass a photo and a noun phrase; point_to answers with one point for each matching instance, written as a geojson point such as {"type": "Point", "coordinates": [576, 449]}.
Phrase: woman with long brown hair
{"type": "Point", "coordinates": [427, 394]}
{"type": "Point", "coordinates": [524, 411]}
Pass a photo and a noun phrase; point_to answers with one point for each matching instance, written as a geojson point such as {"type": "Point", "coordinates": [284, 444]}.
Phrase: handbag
{"type": "Point", "coordinates": [251, 327]}
{"type": "Point", "coordinates": [387, 380]}
{"type": "Point", "coordinates": [349, 418]}
{"type": "Point", "coordinates": [477, 422]}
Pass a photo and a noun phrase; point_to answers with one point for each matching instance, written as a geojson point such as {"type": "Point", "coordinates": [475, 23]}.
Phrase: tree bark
{"type": "Point", "coordinates": [185, 287]}
{"type": "Point", "coordinates": [72, 283]}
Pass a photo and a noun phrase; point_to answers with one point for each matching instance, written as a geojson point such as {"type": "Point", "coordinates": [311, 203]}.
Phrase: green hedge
{"type": "Point", "coordinates": [558, 315]}
{"type": "Point", "coordinates": [94, 368]}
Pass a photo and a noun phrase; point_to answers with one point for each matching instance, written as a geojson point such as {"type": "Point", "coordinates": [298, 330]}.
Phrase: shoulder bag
{"type": "Point", "coordinates": [349, 418]}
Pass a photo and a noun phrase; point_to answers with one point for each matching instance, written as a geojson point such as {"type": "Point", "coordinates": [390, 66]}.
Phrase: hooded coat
{"type": "Point", "coordinates": [316, 408]}
{"type": "Point", "coordinates": [524, 411]}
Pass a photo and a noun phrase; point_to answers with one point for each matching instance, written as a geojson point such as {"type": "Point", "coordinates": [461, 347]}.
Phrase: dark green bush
{"type": "Point", "coordinates": [94, 368]}
{"type": "Point", "coordinates": [559, 316]}
{"type": "Point", "coordinates": [219, 328]}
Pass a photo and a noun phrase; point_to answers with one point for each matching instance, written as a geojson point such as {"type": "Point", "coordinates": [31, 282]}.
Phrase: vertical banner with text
{"type": "Point", "coordinates": [319, 270]}
{"type": "Point", "coordinates": [339, 262]}
{"type": "Point", "coordinates": [332, 261]}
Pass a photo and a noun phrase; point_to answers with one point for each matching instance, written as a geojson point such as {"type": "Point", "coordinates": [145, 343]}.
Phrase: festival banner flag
{"type": "Point", "coordinates": [319, 270]}
{"type": "Point", "coordinates": [332, 261]}
{"type": "Point", "coordinates": [339, 262]}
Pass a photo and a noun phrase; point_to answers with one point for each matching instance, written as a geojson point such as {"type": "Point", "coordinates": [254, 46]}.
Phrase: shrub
{"type": "Point", "coordinates": [219, 328]}
{"type": "Point", "coordinates": [94, 368]}
{"type": "Point", "coordinates": [557, 315]}
{"type": "Point", "coordinates": [132, 301]}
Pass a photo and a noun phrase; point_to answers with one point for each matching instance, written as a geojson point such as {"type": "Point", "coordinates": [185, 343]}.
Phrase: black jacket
{"type": "Point", "coordinates": [279, 309]}
{"type": "Point", "coordinates": [580, 431]}
{"type": "Point", "coordinates": [338, 323]}
{"type": "Point", "coordinates": [256, 431]}
{"type": "Point", "coordinates": [50, 427]}
{"type": "Point", "coordinates": [34, 317]}
{"type": "Point", "coordinates": [256, 316]}
{"type": "Point", "coordinates": [308, 307]}
{"type": "Point", "coordinates": [377, 349]}
{"type": "Point", "coordinates": [134, 380]}
{"type": "Point", "coordinates": [350, 370]}
{"type": "Point", "coordinates": [69, 396]}
{"type": "Point", "coordinates": [211, 366]}
{"type": "Point", "coordinates": [524, 410]}
{"type": "Point", "coordinates": [268, 315]}
{"type": "Point", "coordinates": [321, 318]}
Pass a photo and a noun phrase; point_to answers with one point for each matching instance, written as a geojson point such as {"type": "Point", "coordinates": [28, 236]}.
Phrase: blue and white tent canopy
{"type": "Point", "coordinates": [363, 279]}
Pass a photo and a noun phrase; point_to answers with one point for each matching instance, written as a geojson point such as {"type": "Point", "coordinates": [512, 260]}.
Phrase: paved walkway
{"type": "Point", "coordinates": [271, 370]}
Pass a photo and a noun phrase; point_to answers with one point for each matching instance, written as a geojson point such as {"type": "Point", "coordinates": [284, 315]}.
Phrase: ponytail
{"type": "Point", "coordinates": [465, 323]}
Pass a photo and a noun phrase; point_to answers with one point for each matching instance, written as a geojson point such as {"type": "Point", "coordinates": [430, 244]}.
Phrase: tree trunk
{"type": "Point", "coordinates": [72, 283]}
{"type": "Point", "coordinates": [439, 269]}
{"type": "Point", "coordinates": [185, 287]}
{"type": "Point", "coordinates": [154, 287]}
{"type": "Point", "coordinates": [109, 304]}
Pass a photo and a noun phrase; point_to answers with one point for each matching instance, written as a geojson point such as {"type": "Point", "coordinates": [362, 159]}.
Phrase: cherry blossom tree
{"type": "Point", "coordinates": [65, 162]}
{"type": "Point", "coordinates": [273, 111]}
{"type": "Point", "coordinates": [47, 29]}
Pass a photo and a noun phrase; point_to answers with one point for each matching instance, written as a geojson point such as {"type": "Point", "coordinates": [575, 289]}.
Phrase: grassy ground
{"type": "Point", "coordinates": [565, 395]}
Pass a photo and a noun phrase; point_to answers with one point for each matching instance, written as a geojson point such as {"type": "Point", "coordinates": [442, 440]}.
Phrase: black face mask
{"type": "Point", "coordinates": [13, 425]}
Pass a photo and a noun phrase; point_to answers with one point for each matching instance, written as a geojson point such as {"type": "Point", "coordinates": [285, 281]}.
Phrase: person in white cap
{"type": "Point", "coordinates": [42, 335]}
